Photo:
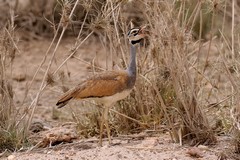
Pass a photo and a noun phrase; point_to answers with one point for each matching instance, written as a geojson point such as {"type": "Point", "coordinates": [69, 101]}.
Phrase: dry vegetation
{"type": "Point", "coordinates": [188, 67]}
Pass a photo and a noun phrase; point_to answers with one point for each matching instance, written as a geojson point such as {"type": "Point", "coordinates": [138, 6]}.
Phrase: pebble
{"type": "Point", "coordinates": [11, 157]}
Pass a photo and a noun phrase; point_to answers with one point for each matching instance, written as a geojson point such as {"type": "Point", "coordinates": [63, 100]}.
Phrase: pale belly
{"type": "Point", "coordinates": [110, 100]}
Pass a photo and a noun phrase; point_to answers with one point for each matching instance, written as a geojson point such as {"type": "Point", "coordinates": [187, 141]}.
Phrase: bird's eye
{"type": "Point", "coordinates": [134, 32]}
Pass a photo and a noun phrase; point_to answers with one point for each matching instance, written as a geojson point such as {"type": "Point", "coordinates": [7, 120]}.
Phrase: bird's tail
{"type": "Point", "coordinates": [64, 100]}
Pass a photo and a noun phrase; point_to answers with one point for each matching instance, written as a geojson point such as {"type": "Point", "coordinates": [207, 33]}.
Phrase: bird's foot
{"type": "Point", "coordinates": [109, 144]}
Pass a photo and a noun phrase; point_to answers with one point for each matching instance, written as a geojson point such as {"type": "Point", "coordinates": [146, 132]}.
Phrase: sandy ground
{"type": "Point", "coordinates": [148, 147]}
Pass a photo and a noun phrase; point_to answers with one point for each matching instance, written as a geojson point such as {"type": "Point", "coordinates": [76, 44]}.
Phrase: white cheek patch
{"type": "Point", "coordinates": [135, 38]}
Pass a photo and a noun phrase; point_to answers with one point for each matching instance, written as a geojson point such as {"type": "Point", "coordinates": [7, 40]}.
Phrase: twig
{"type": "Point", "coordinates": [3, 153]}
{"type": "Point", "coordinates": [232, 29]}
{"type": "Point", "coordinates": [95, 67]}
{"type": "Point", "coordinates": [143, 124]}
{"type": "Point", "coordinates": [15, 46]}
{"type": "Point", "coordinates": [72, 53]}
{"type": "Point", "coordinates": [144, 148]}
{"type": "Point", "coordinates": [113, 110]}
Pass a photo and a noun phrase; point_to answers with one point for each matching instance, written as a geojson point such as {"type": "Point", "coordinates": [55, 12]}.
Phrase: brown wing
{"type": "Point", "coordinates": [105, 84]}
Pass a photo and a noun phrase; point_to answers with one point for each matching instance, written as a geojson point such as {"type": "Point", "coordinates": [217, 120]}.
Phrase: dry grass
{"type": "Point", "coordinates": [166, 91]}
{"type": "Point", "coordinates": [188, 67]}
{"type": "Point", "coordinates": [12, 132]}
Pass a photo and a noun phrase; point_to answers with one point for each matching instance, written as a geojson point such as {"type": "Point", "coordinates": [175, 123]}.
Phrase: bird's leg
{"type": "Point", "coordinates": [105, 121]}
{"type": "Point", "coordinates": [106, 124]}
{"type": "Point", "coordinates": [101, 129]}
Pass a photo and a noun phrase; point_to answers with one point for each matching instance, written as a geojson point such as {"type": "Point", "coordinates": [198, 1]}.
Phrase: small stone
{"type": "Point", "coordinates": [150, 142]}
{"type": "Point", "coordinates": [195, 152]}
{"type": "Point", "coordinates": [203, 147]}
{"type": "Point", "coordinates": [19, 77]}
{"type": "Point", "coordinates": [11, 157]}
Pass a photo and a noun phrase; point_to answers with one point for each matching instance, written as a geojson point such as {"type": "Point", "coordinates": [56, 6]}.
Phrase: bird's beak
{"type": "Point", "coordinates": [143, 32]}
{"type": "Point", "coordinates": [142, 29]}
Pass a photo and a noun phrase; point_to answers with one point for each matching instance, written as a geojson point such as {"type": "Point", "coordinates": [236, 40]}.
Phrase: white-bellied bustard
{"type": "Point", "coordinates": [110, 86]}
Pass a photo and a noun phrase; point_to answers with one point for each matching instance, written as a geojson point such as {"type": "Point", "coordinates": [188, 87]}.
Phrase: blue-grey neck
{"type": "Point", "coordinates": [132, 68]}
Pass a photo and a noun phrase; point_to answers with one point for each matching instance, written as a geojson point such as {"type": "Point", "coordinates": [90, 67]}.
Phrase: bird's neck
{"type": "Point", "coordinates": [132, 69]}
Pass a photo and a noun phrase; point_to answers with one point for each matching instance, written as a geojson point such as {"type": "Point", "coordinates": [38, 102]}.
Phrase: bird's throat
{"type": "Point", "coordinates": [136, 41]}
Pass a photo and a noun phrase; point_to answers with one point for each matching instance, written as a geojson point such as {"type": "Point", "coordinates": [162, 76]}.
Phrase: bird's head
{"type": "Point", "coordinates": [135, 35]}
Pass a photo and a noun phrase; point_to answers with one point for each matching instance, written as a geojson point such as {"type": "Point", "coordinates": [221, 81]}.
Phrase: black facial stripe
{"type": "Point", "coordinates": [137, 41]}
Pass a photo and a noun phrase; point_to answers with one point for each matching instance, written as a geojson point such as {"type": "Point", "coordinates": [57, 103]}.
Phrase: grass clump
{"type": "Point", "coordinates": [166, 91]}
{"type": "Point", "coordinates": [12, 135]}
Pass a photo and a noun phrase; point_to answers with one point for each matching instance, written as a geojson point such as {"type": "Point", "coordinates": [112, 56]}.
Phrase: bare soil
{"type": "Point", "coordinates": [148, 148]}
{"type": "Point", "coordinates": [140, 146]}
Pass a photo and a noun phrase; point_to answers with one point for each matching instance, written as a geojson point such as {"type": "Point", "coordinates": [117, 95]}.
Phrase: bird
{"type": "Point", "coordinates": [108, 87]}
